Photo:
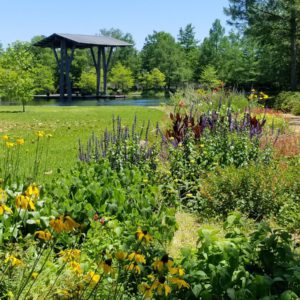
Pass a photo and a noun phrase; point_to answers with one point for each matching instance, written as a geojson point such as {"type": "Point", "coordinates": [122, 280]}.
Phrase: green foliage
{"type": "Point", "coordinates": [209, 78]}
{"type": "Point", "coordinates": [121, 77]}
{"type": "Point", "coordinates": [154, 79]}
{"type": "Point", "coordinates": [16, 87]}
{"type": "Point", "coordinates": [87, 82]}
{"type": "Point", "coordinates": [288, 102]}
{"type": "Point", "coordinates": [242, 265]}
{"type": "Point", "coordinates": [161, 51]}
{"type": "Point", "coordinates": [258, 191]}
{"type": "Point", "coordinates": [266, 22]}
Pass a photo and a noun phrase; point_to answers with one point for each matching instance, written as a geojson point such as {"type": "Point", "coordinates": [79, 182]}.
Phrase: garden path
{"type": "Point", "coordinates": [186, 235]}
{"type": "Point", "coordinates": [294, 122]}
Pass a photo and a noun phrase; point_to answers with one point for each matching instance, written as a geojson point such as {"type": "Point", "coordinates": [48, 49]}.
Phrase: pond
{"type": "Point", "coordinates": [103, 102]}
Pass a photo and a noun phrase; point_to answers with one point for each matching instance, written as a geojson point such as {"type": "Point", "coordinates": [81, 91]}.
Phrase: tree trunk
{"type": "Point", "coordinates": [293, 49]}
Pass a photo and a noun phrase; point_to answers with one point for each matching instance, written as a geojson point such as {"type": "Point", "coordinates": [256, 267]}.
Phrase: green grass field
{"type": "Point", "coordinates": [67, 125]}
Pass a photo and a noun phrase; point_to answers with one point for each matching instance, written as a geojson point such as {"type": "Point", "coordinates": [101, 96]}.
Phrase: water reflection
{"type": "Point", "coordinates": [102, 102]}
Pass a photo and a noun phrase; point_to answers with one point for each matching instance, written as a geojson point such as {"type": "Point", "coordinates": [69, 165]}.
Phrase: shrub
{"type": "Point", "coordinates": [288, 102]}
{"type": "Point", "coordinates": [239, 265]}
{"type": "Point", "coordinates": [258, 191]}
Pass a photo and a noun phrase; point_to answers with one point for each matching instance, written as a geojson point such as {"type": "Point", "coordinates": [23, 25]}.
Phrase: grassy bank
{"type": "Point", "coordinates": [67, 125]}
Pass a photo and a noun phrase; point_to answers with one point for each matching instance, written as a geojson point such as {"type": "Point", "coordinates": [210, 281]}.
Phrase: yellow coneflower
{"type": "Point", "coordinates": [24, 202]}
{"type": "Point", "coordinates": [32, 191]}
{"type": "Point", "coordinates": [107, 266]}
{"type": "Point", "coordinates": [69, 254]}
{"type": "Point", "coordinates": [9, 145]}
{"type": "Point", "coordinates": [3, 196]}
{"type": "Point", "coordinates": [20, 141]}
{"type": "Point", "coordinates": [161, 287]}
{"type": "Point", "coordinates": [160, 264]}
{"type": "Point", "coordinates": [143, 235]}
{"type": "Point", "coordinates": [92, 277]}
{"type": "Point", "coordinates": [133, 267]}
{"type": "Point", "coordinates": [120, 255]}
{"type": "Point", "coordinates": [14, 262]}
{"type": "Point", "coordinates": [138, 258]}
{"type": "Point", "coordinates": [34, 275]}
{"type": "Point", "coordinates": [175, 271]}
{"type": "Point", "coordinates": [70, 224]}
{"type": "Point", "coordinates": [146, 290]}
{"type": "Point", "coordinates": [4, 208]}
{"type": "Point", "coordinates": [40, 134]}
{"type": "Point", "coordinates": [57, 224]}
{"type": "Point", "coordinates": [179, 282]}
{"type": "Point", "coordinates": [75, 267]}
{"type": "Point", "coordinates": [43, 235]}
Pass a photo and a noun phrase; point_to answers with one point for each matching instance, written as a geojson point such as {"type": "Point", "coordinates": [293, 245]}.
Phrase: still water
{"type": "Point", "coordinates": [102, 102]}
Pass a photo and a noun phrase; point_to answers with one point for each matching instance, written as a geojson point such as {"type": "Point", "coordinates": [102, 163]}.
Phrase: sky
{"type": "Point", "coordinates": [24, 19]}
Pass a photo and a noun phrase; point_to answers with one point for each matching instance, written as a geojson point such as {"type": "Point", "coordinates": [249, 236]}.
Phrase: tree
{"type": "Point", "coordinates": [186, 38]}
{"type": "Point", "coordinates": [16, 86]}
{"type": "Point", "coordinates": [121, 77]}
{"type": "Point", "coordinates": [161, 51]}
{"type": "Point", "coordinates": [87, 82]}
{"type": "Point", "coordinates": [152, 80]}
{"type": "Point", "coordinates": [17, 74]}
{"type": "Point", "coordinates": [275, 26]}
{"type": "Point", "coordinates": [209, 78]}
{"type": "Point", "coordinates": [127, 56]}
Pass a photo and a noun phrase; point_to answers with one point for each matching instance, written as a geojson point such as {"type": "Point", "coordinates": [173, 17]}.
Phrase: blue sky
{"type": "Point", "coordinates": [23, 19]}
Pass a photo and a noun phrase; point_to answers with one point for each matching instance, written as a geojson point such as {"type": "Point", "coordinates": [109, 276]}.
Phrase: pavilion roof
{"type": "Point", "coordinates": [80, 41]}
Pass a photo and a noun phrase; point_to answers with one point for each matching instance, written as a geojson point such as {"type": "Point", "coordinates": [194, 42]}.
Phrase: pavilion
{"type": "Point", "coordinates": [67, 43]}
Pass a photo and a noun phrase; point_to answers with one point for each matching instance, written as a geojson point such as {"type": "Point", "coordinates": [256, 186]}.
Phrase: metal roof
{"type": "Point", "coordinates": [80, 41]}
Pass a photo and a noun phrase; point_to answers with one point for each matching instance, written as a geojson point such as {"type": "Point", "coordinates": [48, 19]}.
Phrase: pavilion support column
{"type": "Point", "coordinates": [97, 64]}
{"type": "Point", "coordinates": [69, 59]}
{"type": "Point", "coordinates": [105, 67]}
{"type": "Point", "coordinates": [62, 69]}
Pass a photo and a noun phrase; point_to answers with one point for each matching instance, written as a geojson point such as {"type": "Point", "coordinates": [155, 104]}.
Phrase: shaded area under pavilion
{"type": "Point", "coordinates": [64, 46]}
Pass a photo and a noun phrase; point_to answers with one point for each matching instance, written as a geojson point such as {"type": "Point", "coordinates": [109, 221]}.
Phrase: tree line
{"type": "Point", "coordinates": [261, 50]}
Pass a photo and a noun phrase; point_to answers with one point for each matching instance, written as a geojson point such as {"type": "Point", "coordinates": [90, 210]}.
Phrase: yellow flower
{"type": "Point", "coordinates": [161, 287]}
{"type": "Point", "coordinates": [9, 144]}
{"type": "Point", "coordinates": [24, 202]}
{"type": "Point", "coordinates": [146, 290]}
{"type": "Point", "coordinates": [189, 195]}
{"type": "Point", "coordinates": [159, 265]}
{"type": "Point", "coordinates": [120, 255]}
{"type": "Point", "coordinates": [70, 254]}
{"type": "Point", "coordinates": [63, 293]}
{"type": "Point", "coordinates": [133, 267]}
{"type": "Point", "coordinates": [179, 282]}
{"type": "Point", "coordinates": [4, 208]}
{"type": "Point", "coordinates": [92, 277]}
{"type": "Point", "coordinates": [178, 271]}
{"type": "Point", "coordinates": [5, 137]}
{"type": "Point", "coordinates": [57, 224]}
{"type": "Point", "coordinates": [43, 235]}
{"type": "Point", "coordinates": [20, 141]}
{"type": "Point", "coordinates": [76, 268]}
{"type": "Point", "coordinates": [70, 224]}
{"type": "Point", "coordinates": [40, 134]}
{"type": "Point", "coordinates": [10, 295]}
{"type": "Point", "coordinates": [107, 266]}
{"type": "Point", "coordinates": [13, 261]}
{"type": "Point", "coordinates": [34, 275]}
{"type": "Point", "coordinates": [3, 196]}
{"type": "Point", "coordinates": [63, 224]}
{"type": "Point", "coordinates": [139, 258]}
{"type": "Point", "coordinates": [143, 235]}
{"type": "Point", "coordinates": [32, 191]}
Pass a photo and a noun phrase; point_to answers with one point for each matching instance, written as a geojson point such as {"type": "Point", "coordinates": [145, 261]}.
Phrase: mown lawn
{"type": "Point", "coordinates": [67, 125]}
